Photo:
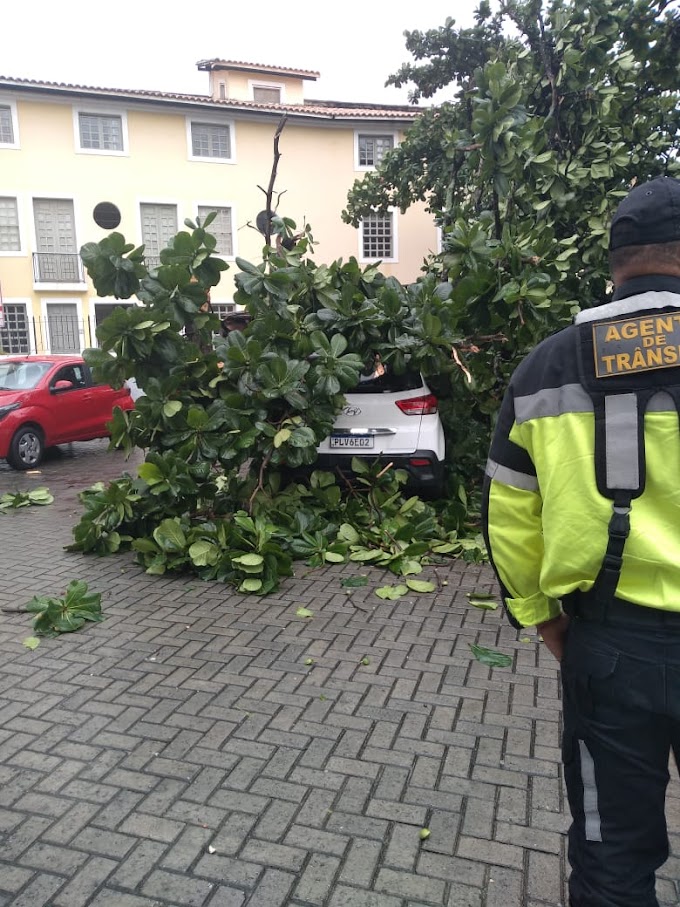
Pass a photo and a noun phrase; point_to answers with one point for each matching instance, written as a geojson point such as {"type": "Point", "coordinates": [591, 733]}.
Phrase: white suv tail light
{"type": "Point", "coordinates": [418, 406]}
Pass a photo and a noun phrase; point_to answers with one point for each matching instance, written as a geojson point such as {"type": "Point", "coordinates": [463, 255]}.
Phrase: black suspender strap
{"type": "Point", "coordinates": [607, 579]}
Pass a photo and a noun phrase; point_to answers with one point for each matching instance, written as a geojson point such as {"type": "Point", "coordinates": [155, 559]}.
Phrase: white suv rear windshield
{"type": "Point", "coordinates": [383, 380]}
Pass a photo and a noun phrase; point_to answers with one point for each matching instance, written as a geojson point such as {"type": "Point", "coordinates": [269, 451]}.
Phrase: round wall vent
{"type": "Point", "coordinates": [106, 215]}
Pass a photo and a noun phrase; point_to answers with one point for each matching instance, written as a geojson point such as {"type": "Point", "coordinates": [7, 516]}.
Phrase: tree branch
{"type": "Point", "coordinates": [269, 194]}
{"type": "Point", "coordinates": [260, 481]}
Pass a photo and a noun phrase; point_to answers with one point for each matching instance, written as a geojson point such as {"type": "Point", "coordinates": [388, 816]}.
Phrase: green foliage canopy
{"type": "Point", "coordinates": [556, 110]}
{"type": "Point", "coordinates": [222, 419]}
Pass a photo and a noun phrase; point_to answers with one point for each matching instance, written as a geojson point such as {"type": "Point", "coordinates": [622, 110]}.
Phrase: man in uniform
{"type": "Point", "coordinates": [582, 522]}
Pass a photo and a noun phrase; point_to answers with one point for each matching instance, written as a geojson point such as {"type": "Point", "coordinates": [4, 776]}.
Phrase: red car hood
{"type": "Point", "coordinates": [11, 396]}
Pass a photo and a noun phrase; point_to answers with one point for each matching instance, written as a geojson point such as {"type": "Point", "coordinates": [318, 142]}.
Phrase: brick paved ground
{"type": "Point", "coordinates": [181, 754]}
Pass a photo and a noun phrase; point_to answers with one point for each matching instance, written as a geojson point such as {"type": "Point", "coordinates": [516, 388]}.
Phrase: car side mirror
{"type": "Point", "coordinates": [62, 385]}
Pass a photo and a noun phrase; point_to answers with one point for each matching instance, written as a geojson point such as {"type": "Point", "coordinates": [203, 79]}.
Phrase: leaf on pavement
{"type": "Point", "coordinates": [481, 601]}
{"type": "Point", "coordinates": [420, 585]}
{"type": "Point", "coordinates": [490, 657]}
{"type": "Point", "coordinates": [352, 582]}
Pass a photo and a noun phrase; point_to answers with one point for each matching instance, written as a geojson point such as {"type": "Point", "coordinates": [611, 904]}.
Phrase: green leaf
{"type": "Point", "coordinates": [15, 500]}
{"type": "Point", "coordinates": [348, 533]}
{"type": "Point", "coordinates": [63, 615]}
{"type": "Point", "coordinates": [31, 642]}
{"type": "Point", "coordinates": [250, 585]}
{"type": "Point", "coordinates": [445, 548]}
{"type": "Point", "coordinates": [203, 553]}
{"type": "Point", "coordinates": [352, 582]}
{"type": "Point", "coordinates": [410, 567]}
{"type": "Point", "coordinates": [490, 657]}
{"type": "Point", "coordinates": [420, 585]}
{"type": "Point", "coordinates": [333, 557]}
{"type": "Point", "coordinates": [282, 436]}
{"type": "Point", "coordinates": [150, 473]}
{"type": "Point", "coordinates": [171, 408]}
{"type": "Point", "coordinates": [169, 536]}
{"type": "Point", "coordinates": [40, 496]}
{"type": "Point", "coordinates": [249, 560]}
{"type": "Point", "coordinates": [366, 554]}
{"type": "Point", "coordinates": [304, 612]}
{"type": "Point", "coordinates": [338, 344]}
{"type": "Point", "coordinates": [391, 592]}
{"type": "Point", "coordinates": [482, 602]}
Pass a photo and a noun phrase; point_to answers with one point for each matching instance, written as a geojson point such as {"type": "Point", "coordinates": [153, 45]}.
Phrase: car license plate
{"type": "Point", "coordinates": [365, 442]}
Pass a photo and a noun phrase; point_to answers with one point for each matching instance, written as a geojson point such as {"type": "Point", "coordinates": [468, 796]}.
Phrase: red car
{"type": "Point", "coordinates": [48, 400]}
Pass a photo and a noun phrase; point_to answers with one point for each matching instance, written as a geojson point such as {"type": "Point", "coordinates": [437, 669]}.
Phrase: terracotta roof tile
{"type": "Point", "coordinates": [257, 67]}
{"type": "Point", "coordinates": [322, 109]}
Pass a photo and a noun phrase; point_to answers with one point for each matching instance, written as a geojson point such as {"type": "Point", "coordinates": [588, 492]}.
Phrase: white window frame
{"type": "Point", "coordinates": [110, 301]}
{"type": "Point", "coordinates": [21, 251]}
{"type": "Point", "coordinates": [226, 302]}
{"type": "Point", "coordinates": [157, 200]}
{"type": "Point", "coordinates": [211, 120]}
{"type": "Point", "coordinates": [234, 233]}
{"type": "Point", "coordinates": [77, 226]}
{"type": "Point", "coordinates": [258, 83]}
{"type": "Point", "coordinates": [363, 168]}
{"type": "Point", "coordinates": [8, 102]}
{"type": "Point", "coordinates": [100, 110]}
{"type": "Point", "coordinates": [27, 302]}
{"type": "Point", "coordinates": [44, 307]}
{"type": "Point", "coordinates": [395, 244]}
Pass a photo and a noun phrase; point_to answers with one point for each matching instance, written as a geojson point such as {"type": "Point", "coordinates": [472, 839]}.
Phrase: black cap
{"type": "Point", "coordinates": [649, 214]}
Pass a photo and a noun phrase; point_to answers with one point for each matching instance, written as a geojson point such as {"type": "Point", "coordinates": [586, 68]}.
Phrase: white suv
{"type": "Point", "coordinates": [393, 418]}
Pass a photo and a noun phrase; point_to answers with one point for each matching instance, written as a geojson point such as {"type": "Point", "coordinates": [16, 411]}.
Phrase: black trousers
{"type": "Point", "coordinates": [621, 686]}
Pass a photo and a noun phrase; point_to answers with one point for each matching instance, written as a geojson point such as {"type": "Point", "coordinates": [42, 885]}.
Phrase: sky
{"type": "Point", "coordinates": [354, 44]}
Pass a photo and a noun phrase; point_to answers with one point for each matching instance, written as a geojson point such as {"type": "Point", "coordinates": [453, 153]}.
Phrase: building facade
{"type": "Point", "coordinates": [74, 159]}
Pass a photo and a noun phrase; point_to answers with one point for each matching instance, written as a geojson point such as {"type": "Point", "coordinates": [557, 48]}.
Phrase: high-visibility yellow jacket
{"type": "Point", "coordinates": [545, 521]}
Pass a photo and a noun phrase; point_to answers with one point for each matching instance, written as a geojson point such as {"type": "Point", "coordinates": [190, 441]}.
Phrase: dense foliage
{"type": "Point", "coordinates": [223, 419]}
{"type": "Point", "coordinates": [556, 109]}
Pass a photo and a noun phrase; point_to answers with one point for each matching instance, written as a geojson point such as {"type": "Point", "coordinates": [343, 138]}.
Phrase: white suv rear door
{"type": "Point", "coordinates": [372, 422]}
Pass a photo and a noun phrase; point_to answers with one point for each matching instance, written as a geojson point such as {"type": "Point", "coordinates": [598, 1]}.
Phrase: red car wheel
{"type": "Point", "coordinates": [27, 448]}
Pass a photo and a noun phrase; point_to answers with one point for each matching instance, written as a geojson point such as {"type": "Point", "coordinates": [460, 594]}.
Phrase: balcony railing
{"type": "Point", "coordinates": [53, 334]}
{"type": "Point", "coordinates": [57, 267]}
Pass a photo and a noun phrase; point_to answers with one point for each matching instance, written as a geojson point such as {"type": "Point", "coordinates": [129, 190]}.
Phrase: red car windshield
{"type": "Point", "coordinates": [21, 375]}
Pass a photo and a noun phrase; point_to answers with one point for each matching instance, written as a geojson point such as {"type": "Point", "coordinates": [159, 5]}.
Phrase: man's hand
{"type": "Point", "coordinates": [554, 632]}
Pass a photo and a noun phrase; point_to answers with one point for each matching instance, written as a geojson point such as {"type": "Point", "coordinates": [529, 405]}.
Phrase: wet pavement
{"type": "Point", "coordinates": [183, 753]}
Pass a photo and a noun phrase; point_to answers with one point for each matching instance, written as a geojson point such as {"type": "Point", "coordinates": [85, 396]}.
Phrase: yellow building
{"type": "Point", "coordinates": [73, 159]}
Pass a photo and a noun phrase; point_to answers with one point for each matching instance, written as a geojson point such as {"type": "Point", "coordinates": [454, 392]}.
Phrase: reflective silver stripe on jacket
{"type": "Point", "coordinates": [641, 302]}
{"type": "Point", "coordinates": [572, 398]}
{"type": "Point", "coordinates": [621, 441]}
{"type": "Point", "coordinates": [511, 477]}
{"type": "Point", "coordinates": [552, 401]}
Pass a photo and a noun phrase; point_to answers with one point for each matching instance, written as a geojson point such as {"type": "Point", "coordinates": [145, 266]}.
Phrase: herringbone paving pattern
{"type": "Point", "coordinates": [182, 754]}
